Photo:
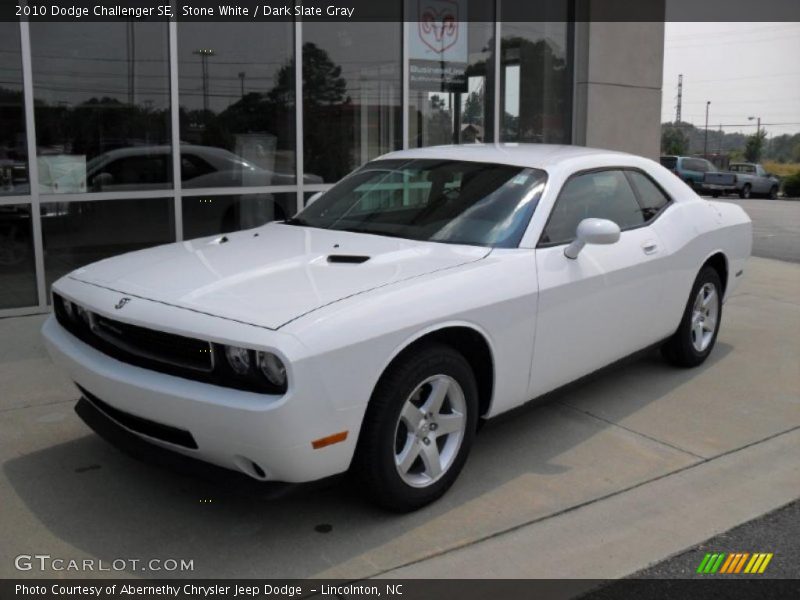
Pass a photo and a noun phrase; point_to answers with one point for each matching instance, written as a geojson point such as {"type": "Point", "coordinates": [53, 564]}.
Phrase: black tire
{"type": "Point", "coordinates": [715, 194]}
{"type": "Point", "coordinates": [744, 193]}
{"type": "Point", "coordinates": [773, 192]}
{"type": "Point", "coordinates": [374, 462]}
{"type": "Point", "coordinates": [680, 349]}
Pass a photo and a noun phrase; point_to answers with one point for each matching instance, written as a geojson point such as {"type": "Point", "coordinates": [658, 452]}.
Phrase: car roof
{"type": "Point", "coordinates": [526, 155]}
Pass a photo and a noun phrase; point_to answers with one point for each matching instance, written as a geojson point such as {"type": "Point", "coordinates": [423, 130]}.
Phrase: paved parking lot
{"type": "Point", "coordinates": [604, 479]}
{"type": "Point", "coordinates": [776, 227]}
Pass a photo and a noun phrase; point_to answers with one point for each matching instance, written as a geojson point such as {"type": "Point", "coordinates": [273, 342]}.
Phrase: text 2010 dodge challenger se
{"type": "Point", "coordinates": [427, 290]}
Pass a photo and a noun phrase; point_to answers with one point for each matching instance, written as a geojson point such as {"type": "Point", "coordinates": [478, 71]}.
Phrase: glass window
{"type": "Point", "coordinates": [351, 96]}
{"type": "Point", "coordinates": [695, 164]}
{"type": "Point", "coordinates": [669, 162]}
{"type": "Point", "coordinates": [536, 82]}
{"type": "Point", "coordinates": [602, 195]}
{"type": "Point", "coordinates": [102, 95]}
{"type": "Point", "coordinates": [78, 233]}
{"type": "Point", "coordinates": [17, 265]}
{"type": "Point", "coordinates": [237, 110]}
{"type": "Point", "coordinates": [433, 200]}
{"type": "Point", "coordinates": [209, 215]}
{"type": "Point", "coordinates": [13, 145]}
{"type": "Point", "coordinates": [455, 106]}
{"type": "Point", "coordinates": [651, 198]}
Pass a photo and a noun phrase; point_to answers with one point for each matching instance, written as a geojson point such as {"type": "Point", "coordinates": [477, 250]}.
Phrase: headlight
{"type": "Point", "coordinates": [238, 359]}
{"type": "Point", "coordinates": [82, 313]}
{"type": "Point", "coordinates": [272, 368]}
{"type": "Point", "coordinates": [69, 309]}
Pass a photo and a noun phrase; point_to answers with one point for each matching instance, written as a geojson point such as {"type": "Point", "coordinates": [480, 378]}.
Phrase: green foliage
{"type": "Point", "coordinates": [791, 185]}
{"type": "Point", "coordinates": [674, 141]}
{"type": "Point", "coordinates": [754, 146]}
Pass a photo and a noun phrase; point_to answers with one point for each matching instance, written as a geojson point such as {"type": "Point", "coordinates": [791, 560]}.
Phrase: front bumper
{"type": "Point", "coordinates": [266, 437]}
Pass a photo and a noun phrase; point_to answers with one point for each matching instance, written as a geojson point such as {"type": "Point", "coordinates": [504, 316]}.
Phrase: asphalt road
{"type": "Point", "coordinates": [777, 532]}
{"type": "Point", "coordinates": [776, 227]}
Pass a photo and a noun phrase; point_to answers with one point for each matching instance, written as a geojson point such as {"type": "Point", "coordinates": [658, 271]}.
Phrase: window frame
{"type": "Point", "coordinates": [634, 189]}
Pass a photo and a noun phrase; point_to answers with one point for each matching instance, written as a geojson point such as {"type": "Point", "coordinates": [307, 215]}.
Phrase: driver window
{"type": "Point", "coordinates": [600, 194]}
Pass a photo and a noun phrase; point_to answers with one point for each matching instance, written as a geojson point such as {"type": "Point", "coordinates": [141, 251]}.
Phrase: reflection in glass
{"type": "Point", "coordinates": [455, 117]}
{"type": "Point", "coordinates": [79, 233]}
{"type": "Point", "coordinates": [237, 104]}
{"type": "Point", "coordinates": [209, 215]}
{"type": "Point", "coordinates": [351, 95]}
{"type": "Point", "coordinates": [100, 88]}
{"type": "Point", "coordinates": [17, 266]}
{"type": "Point", "coordinates": [13, 146]}
{"type": "Point", "coordinates": [536, 83]}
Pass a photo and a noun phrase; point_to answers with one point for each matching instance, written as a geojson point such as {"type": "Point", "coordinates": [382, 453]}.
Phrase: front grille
{"type": "Point", "coordinates": [154, 345]}
{"type": "Point", "coordinates": [148, 348]}
{"type": "Point", "coordinates": [168, 353]}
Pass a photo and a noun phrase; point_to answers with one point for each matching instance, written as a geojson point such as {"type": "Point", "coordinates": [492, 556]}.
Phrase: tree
{"type": "Point", "coordinates": [674, 140]}
{"type": "Point", "coordinates": [473, 109]}
{"type": "Point", "coordinates": [754, 145]}
{"type": "Point", "coordinates": [796, 152]}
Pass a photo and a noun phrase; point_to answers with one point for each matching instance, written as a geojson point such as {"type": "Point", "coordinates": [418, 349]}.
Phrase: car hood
{"type": "Point", "coordinates": [273, 274]}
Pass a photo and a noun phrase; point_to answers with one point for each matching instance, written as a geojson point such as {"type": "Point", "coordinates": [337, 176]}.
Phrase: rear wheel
{"type": "Point", "coordinates": [418, 428]}
{"type": "Point", "coordinates": [745, 191]}
{"type": "Point", "coordinates": [696, 336]}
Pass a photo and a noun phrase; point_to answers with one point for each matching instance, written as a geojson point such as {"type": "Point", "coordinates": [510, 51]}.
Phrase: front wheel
{"type": "Point", "coordinates": [418, 429]}
{"type": "Point", "coordinates": [696, 336]}
{"type": "Point", "coordinates": [773, 192]}
{"type": "Point", "coordinates": [745, 191]}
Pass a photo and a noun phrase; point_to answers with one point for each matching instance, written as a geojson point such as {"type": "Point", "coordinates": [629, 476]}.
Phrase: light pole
{"type": "Point", "coordinates": [705, 140]}
{"type": "Point", "coordinates": [758, 135]}
{"type": "Point", "coordinates": [758, 124]}
{"type": "Point", "coordinates": [204, 53]}
{"type": "Point", "coordinates": [242, 76]}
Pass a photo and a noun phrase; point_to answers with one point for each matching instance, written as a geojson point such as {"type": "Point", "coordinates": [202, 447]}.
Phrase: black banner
{"type": "Point", "coordinates": [397, 10]}
{"type": "Point", "coordinates": [403, 589]}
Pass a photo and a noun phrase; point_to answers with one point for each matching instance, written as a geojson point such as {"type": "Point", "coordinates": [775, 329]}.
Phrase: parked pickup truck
{"type": "Point", "coordinates": [695, 171]}
{"type": "Point", "coordinates": [753, 179]}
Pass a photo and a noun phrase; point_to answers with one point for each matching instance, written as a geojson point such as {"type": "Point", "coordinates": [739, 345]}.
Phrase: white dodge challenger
{"type": "Point", "coordinates": [428, 290]}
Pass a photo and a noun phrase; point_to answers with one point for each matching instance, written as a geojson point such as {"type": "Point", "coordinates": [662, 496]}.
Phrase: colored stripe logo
{"type": "Point", "coordinates": [734, 562]}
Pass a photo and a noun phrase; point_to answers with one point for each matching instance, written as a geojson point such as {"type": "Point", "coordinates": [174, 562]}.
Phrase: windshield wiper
{"type": "Point", "coordinates": [296, 221]}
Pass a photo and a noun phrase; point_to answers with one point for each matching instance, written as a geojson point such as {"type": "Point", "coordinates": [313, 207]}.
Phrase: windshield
{"type": "Point", "coordinates": [742, 168]}
{"type": "Point", "coordinates": [448, 201]}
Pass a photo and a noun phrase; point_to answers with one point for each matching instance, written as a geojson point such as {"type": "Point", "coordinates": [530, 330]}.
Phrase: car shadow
{"type": "Point", "coordinates": [107, 505]}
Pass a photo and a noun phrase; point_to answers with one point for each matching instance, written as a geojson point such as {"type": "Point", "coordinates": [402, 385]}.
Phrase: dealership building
{"type": "Point", "coordinates": [120, 135]}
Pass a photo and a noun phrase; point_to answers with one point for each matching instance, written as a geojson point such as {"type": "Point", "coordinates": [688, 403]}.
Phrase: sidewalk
{"type": "Point", "coordinates": [633, 466]}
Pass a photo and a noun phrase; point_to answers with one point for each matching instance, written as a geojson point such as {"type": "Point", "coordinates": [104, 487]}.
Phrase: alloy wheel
{"type": "Point", "coordinates": [430, 430]}
{"type": "Point", "coordinates": [705, 313]}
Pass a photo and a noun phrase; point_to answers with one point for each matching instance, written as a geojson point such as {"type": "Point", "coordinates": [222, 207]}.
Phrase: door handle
{"type": "Point", "coordinates": [650, 247]}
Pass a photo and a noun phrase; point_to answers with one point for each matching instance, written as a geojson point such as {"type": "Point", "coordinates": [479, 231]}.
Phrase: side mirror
{"type": "Point", "coordinates": [592, 231]}
{"type": "Point", "coordinates": [314, 198]}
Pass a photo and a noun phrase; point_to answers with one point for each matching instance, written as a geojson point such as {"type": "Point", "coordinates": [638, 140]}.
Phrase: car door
{"type": "Point", "coordinates": [693, 173]}
{"type": "Point", "coordinates": [762, 183]}
{"type": "Point", "coordinates": [599, 307]}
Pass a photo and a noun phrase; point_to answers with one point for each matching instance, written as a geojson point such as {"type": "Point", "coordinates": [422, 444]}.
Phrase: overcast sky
{"type": "Point", "coordinates": [744, 69]}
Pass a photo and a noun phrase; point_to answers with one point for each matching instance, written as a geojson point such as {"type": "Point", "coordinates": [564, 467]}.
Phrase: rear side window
{"type": "Point", "coordinates": [651, 197]}
{"type": "Point", "coordinates": [599, 194]}
{"type": "Point", "coordinates": [670, 162]}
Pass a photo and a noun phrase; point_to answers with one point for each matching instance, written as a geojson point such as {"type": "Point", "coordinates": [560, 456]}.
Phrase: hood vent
{"type": "Point", "coordinates": [350, 259]}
